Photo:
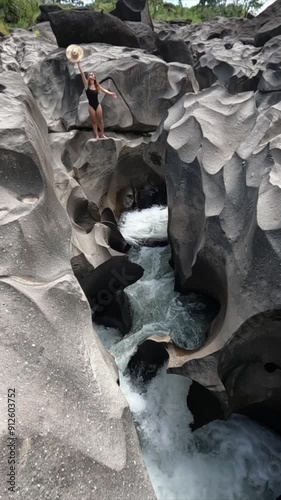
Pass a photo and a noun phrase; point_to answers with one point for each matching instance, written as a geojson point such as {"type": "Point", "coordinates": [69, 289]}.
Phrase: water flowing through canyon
{"type": "Point", "coordinates": [235, 459]}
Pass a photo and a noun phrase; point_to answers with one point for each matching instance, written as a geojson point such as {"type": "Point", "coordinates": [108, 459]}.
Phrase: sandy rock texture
{"type": "Point", "coordinates": [73, 427]}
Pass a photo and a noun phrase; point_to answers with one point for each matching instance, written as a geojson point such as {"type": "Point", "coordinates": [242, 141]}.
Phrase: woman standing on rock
{"type": "Point", "coordinates": [93, 89]}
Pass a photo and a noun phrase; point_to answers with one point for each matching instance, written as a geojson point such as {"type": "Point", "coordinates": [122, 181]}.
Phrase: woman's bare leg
{"type": "Point", "coordinates": [93, 116]}
{"type": "Point", "coordinates": [100, 121]}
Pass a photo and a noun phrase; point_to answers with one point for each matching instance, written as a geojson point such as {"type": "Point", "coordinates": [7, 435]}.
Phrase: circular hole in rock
{"type": "Point", "coordinates": [271, 367]}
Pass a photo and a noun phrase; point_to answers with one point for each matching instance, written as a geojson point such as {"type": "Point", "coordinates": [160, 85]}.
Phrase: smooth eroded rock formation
{"type": "Point", "coordinates": [75, 435]}
{"type": "Point", "coordinates": [223, 190]}
{"type": "Point", "coordinates": [58, 88]}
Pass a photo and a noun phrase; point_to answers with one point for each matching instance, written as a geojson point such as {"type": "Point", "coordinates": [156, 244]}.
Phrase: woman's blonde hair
{"type": "Point", "coordinates": [96, 82]}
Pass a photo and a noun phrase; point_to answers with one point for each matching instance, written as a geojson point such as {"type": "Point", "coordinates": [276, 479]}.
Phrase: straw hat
{"type": "Point", "coordinates": [74, 53]}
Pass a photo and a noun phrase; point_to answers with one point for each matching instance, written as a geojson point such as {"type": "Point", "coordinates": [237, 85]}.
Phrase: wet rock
{"type": "Point", "coordinates": [204, 405]}
{"type": "Point", "coordinates": [149, 195]}
{"type": "Point", "coordinates": [145, 363]}
{"type": "Point", "coordinates": [116, 315]}
{"type": "Point", "coordinates": [104, 287]}
{"type": "Point", "coordinates": [116, 240]}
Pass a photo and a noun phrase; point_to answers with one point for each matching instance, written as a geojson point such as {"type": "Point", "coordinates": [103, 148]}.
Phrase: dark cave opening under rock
{"type": "Point", "coordinates": [145, 363]}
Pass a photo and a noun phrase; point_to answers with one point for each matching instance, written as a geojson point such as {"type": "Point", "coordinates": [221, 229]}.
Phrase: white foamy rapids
{"type": "Point", "coordinates": [233, 460]}
{"type": "Point", "coordinates": [148, 225]}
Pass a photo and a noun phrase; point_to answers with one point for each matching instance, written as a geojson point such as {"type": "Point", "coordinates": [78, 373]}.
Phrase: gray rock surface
{"type": "Point", "coordinates": [228, 31]}
{"type": "Point", "coordinates": [44, 30]}
{"type": "Point", "coordinates": [224, 191]}
{"type": "Point", "coordinates": [22, 51]}
{"type": "Point", "coordinates": [217, 153]}
{"type": "Point", "coordinates": [145, 35]}
{"type": "Point", "coordinates": [73, 427]}
{"type": "Point", "coordinates": [58, 88]}
{"type": "Point", "coordinates": [174, 49]}
{"type": "Point", "coordinates": [239, 67]}
{"type": "Point", "coordinates": [235, 65]}
{"type": "Point", "coordinates": [268, 30]}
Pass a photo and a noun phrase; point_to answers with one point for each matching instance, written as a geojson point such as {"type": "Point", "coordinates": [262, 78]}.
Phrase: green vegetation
{"type": "Point", "coordinates": [204, 11]}
{"type": "Point", "coordinates": [3, 28]}
{"type": "Point", "coordinates": [22, 13]}
{"type": "Point", "coordinates": [17, 13]}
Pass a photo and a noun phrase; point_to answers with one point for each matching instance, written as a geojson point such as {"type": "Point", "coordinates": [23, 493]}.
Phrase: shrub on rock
{"type": "Point", "coordinates": [19, 10]}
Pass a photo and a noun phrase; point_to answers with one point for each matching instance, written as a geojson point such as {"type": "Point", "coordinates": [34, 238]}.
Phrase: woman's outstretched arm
{"type": "Point", "coordinates": [105, 91]}
{"type": "Point", "coordinates": [83, 76]}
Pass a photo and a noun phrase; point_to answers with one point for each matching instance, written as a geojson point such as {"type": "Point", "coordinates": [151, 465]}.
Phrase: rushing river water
{"type": "Point", "coordinates": [233, 460]}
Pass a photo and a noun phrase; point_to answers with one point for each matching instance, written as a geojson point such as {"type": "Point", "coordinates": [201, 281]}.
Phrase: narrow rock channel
{"type": "Point", "coordinates": [236, 459]}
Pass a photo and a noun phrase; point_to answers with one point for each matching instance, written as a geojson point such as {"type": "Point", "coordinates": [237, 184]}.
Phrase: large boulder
{"type": "Point", "coordinates": [87, 26]}
{"type": "Point", "coordinates": [224, 197]}
{"type": "Point", "coordinates": [72, 421]}
{"type": "Point", "coordinates": [45, 10]}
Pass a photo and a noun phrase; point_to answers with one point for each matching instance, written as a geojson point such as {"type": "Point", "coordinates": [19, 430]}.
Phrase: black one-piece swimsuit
{"type": "Point", "coordinates": [92, 98]}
